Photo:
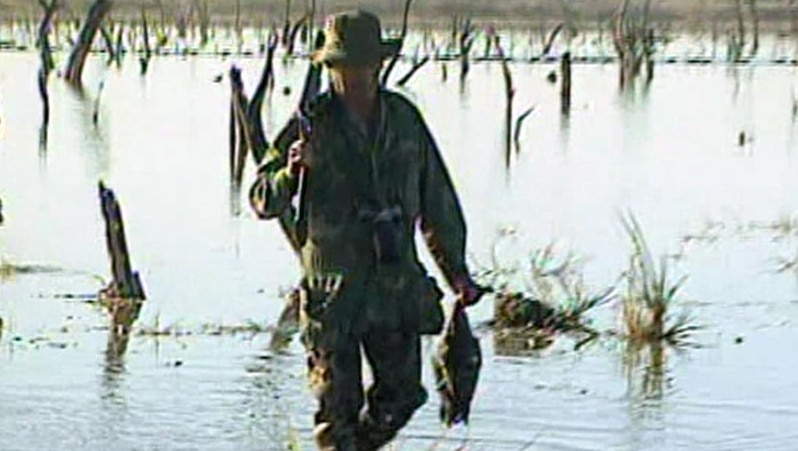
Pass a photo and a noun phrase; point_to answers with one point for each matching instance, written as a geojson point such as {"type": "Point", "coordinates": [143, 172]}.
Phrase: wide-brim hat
{"type": "Point", "coordinates": [355, 38]}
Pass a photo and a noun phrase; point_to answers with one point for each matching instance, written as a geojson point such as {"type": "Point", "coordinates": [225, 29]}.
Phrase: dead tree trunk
{"type": "Point", "coordinates": [550, 40]}
{"type": "Point", "coordinates": [648, 49]}
{"type": "Point", "coordinates": [311, 23]}
{"type": "Point", "coordinates": [77, 59]}
{"type": "Point", "coordinates": [509, 92]}
{"type": "Point", "coordinates": [286, 24]}
{"type": "Point", "coordinates": [259, 142]}
{"type": "Point", "coordinates": [238, 29]}
{"type": "Point", "coordinates": [632, 43]}
{"type": "Point", "coordinates": [518, 123]}
{"type": "Point", "coordinates": [144, 61]}
{"type": "Point", "coordinates": [126, 283]}
{"type": "Point", "coordinates": [740, 24]}
{"type": "Point", "coordinates": [108, 39]}
{"type": "Point", "coordinates": [418, 65]}
{"type": "Point", "coordinates": [47, 64]}
{"type": "Point", "coordinates": [466, 42]}
{"type": "Point", "coordinates": [43, 37]}
{"type": "Point", "coordinates": [402, 36]}
{"type": "Point", "coordinates": [293, 34]}
{"type": "Point", "coordinates": [204, 21]}
{"type": "Point", "coordinates": [246, 127]}
{"type": "Point", "coordinates": [755, 26]}
{"type": "Point", "coordinates": [565, 88]}
{"type": "Point", "coordinates": [238, 107]}
{"type": "Point", "coordinates": [124, 295]}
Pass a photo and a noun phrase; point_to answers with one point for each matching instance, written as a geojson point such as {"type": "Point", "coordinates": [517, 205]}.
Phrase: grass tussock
{"type": "Point", "coordinates": [650, 295]}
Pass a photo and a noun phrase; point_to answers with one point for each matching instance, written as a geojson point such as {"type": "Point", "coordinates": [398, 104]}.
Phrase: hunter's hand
{"type": "Point", "coordinates": [298, 157]}
{"type": "Point", "coordinates": [468, 292]}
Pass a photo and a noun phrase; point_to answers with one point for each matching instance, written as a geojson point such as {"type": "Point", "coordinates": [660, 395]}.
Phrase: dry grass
{"type": "Point", "coordinates": [650, 294]}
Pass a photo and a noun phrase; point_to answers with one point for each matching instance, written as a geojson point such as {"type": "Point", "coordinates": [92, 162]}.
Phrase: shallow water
{"type": "Point", "coordinates": [668, 153]}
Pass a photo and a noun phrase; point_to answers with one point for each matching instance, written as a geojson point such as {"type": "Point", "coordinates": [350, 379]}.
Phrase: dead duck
{"type": "Point", "coordinates": [457, 365]}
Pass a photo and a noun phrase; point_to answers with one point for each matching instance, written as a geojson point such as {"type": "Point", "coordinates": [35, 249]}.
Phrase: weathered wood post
{"type": "Point", "coordinates": [565, 88]}
{"type": "Point", "coordinates": [77, 58]}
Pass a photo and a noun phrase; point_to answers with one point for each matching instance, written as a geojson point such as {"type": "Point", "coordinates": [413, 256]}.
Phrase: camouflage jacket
{"type": "Point", "coordinates": [352, 176]}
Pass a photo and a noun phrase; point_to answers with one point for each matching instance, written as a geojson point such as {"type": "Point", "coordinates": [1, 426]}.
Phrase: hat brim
{"type": "Point", "coordinates": [386, 49]}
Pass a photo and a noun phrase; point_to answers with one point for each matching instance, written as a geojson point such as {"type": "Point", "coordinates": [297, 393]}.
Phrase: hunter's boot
{"type": "Point", "coordinates": [372, 435]}
{"type": "Point", "coordinates": [328, 440]}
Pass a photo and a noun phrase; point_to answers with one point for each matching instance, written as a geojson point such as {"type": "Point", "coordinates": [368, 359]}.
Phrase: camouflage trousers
{"type": "Point", "coordinates": [341, 423]}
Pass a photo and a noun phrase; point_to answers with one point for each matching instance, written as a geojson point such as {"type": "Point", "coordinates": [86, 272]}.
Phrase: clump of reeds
{"type": "Point", "coordinates": [650, 294]}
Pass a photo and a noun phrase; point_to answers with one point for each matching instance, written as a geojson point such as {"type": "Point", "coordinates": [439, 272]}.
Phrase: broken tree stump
{"type": "Point", "coordinates": [77, 58]}
{"type": "Point", "coordinates": [125, 283]}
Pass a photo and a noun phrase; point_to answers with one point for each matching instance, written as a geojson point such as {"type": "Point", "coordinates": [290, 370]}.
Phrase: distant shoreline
{"type": "Point", "coordinates": [685, 15]}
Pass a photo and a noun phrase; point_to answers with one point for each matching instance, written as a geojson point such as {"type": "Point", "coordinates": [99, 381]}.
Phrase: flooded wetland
{"type": "Point", "coordinates": [677, 194]}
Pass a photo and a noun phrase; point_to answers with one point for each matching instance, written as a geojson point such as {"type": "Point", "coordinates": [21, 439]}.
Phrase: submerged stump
{"type": "Point", "coordinates": [124, 294]}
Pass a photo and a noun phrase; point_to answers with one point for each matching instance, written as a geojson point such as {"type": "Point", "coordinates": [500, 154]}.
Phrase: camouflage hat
{"type": "Point", "coordinates": [355, 37]}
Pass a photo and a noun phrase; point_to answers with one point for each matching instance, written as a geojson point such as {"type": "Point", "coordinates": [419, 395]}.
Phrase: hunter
{"type": "Point", "coordinates": [369, 173]}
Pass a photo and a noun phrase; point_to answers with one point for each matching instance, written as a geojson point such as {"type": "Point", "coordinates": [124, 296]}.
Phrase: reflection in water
{"type": "Point", "coordinates": [270, 388]}
{"type": "Point", "coordinates": [517, 342]}
{"type": "Point", "coordinates": [96, 138]}
{"type": "Point", "coordinates": [235, 199]}
{"type": "Point", "coordinates": [123, 314]}
{"type": "Point", "coordinates": [645, 367]}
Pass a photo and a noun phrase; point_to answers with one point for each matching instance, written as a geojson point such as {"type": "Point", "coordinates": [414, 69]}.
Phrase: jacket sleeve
{"type": "Point", "coordinates": [274, 186]}
{"type": "Point", "coordinates": [442, 222]}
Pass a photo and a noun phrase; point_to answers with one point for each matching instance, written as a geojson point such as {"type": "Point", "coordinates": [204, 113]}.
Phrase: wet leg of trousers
{"type": "Point", "coordinates": [395, 360]}
{"type": "Point", "coordinates": [335, 379]}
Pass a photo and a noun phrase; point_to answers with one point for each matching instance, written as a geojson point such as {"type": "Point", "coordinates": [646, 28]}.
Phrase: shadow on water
{"type": "Point", "coordinates": [94, 135]}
